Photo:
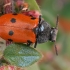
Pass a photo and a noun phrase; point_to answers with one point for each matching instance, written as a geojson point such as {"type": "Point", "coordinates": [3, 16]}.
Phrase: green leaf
{"type": "Point", "coordinates": [21, 55]}
{"type": "Point", "coordinates": [33, 5]}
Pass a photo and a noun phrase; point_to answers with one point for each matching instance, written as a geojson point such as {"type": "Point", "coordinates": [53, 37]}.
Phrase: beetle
{"type": "Point", "coordinates": [21, 28]}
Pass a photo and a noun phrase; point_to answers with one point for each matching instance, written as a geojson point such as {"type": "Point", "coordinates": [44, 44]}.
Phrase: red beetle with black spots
{"type": "Point", "coordinates": [21, 28]}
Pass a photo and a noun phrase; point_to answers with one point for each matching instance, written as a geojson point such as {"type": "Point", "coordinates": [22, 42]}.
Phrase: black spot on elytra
{"type": "Point", "coordinates": [10, 40]}
{"type": "Point", "coordinates": [14, 14]}
{"type": "Point", "coordinates": [13, 20]}
{"type": "Point", "coordinates": [11, 33]}
{"type": "Point", "coordinates": [33, 18]}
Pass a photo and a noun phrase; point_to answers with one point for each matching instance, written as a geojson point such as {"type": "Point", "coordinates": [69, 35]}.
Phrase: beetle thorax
{"type": "Point", "coordinates": [44, 32]}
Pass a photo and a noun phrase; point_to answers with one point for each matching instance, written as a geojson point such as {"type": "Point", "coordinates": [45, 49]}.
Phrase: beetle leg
{"type": "Point", "coordinates": [35, 44]}
{"type": "Point", "coordinates": [29, 42]}
{"type": "Point", "coordinates": [38, 31]}
{"type": "Point", "coordinates": [39, 19]}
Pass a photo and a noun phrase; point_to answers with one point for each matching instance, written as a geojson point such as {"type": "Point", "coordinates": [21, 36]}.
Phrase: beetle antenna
{"type": "Point", "coordinates": [56, 50]}
{"type": "Point", "coordinates": [56, 30]}
{"type": "Point", "coordinates": [57, 22]}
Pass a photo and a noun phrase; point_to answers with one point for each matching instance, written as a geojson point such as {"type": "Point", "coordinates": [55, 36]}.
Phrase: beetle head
{"type": "Point", "coordinates": [45, 32]}
{"type": "Point", "coordinates": [53, 34]}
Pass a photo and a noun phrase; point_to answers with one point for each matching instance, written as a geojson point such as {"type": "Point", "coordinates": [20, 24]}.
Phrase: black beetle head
{"type": "Point", "coordinates": [45, 32]}
{"type": "Point", "coordinates": [53, 34]}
